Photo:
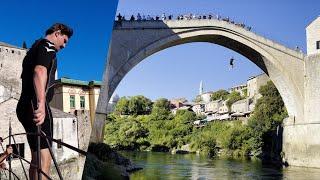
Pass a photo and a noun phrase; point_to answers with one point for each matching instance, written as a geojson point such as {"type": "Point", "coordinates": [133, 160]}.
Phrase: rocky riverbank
{"type": "Point", "coordinates": [105, 163]}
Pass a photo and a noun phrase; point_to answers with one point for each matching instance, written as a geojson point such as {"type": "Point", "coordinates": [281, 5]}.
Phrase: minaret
{"type": "Point", "coordinates": [201, 88]}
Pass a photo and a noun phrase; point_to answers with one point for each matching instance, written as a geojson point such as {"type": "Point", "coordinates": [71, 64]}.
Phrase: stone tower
{"type": "Point", "coordinates": [11, 58]}
{"type": "Point", "coordinates": [313, 37]}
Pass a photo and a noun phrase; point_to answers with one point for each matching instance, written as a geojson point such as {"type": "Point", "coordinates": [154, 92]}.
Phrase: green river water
{"type": "Point", "coordinates": [192, 166]}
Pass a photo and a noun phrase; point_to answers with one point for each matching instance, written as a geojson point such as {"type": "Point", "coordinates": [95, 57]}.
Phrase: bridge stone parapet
{"type": "Point", "coordinates": [208, 23]}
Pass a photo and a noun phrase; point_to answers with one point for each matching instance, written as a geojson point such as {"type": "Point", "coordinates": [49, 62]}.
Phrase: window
{"type": "Point", "coordinates": [82, 102]}
{"type": "Point", "coordinates": [318, 44]}
{"type": "Point", "coordinates": [17, 149]}
{"type": "Point", "coordinates": [72, 101]}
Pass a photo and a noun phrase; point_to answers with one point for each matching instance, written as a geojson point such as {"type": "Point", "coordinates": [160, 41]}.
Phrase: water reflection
{"type": "Point", "coordinates": [192, 166]}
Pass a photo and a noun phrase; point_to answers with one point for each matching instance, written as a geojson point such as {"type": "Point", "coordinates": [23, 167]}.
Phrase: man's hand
{"type": "Point", "coordinates": [3, 166]}
{"type": "Point", "coordinates": [39, 114]}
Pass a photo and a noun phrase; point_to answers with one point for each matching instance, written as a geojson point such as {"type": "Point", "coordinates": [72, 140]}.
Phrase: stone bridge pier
{"type": "Point", "coordinates": [301, 139]}
{"type": "Point", "coordinates": [296, 75]}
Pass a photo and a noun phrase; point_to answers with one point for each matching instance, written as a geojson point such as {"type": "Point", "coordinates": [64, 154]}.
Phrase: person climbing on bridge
{"type": "Point", "coordinates": [4, 156]}
{"type": "Point", "coordinates": [38, 76]}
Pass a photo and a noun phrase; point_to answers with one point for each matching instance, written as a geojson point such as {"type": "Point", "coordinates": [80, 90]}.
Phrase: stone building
{"type": "Point", "coordinates": [241, 106]}
{"type": "Point", "coordinates": [254, 83]}
{"type": "Point", "coordinates": [213, 106]}
{"type": "Point", "coordinates": [240, 88]}
{"type": "Point", "coordinates": [71, 95]}
{"type": "Point", "coordinates": [177, 102]}
{"type": "Point", "coordinates": [180, 104]}
{"type": "Point", "coordinates": [223, 108]}
{"type": "Point", "coordinates": [198, 108]}
{"type": "Point", "coordinates": [8, 113]}
{"type": "Point", "coordinates": [219, 110]}
{"type": "Point", "coordinates": [313, 37]}
{"type": "Point", "coordinates": [65, 129]}
{"type": "Point", "coordinates": [11, 58]}
{"type": "Point", "coordinates": [205, 97]}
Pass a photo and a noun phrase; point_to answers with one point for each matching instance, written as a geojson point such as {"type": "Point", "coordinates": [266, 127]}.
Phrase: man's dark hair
{"type": "Point", "coordinates": [65, 30]}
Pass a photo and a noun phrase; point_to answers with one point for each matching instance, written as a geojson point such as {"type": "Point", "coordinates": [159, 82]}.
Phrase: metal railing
{"type": "Point", "coordinates": [39, 134]}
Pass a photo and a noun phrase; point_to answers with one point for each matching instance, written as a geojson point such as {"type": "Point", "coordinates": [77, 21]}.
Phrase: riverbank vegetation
{"type": "Point", "coordinates": [139, 124]}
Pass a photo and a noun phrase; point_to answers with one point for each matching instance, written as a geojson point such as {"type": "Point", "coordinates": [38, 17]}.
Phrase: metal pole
{"type": "Point", "coordinates": [3, 151]}
{"type": "Point", "coordinates": [14, 175]}
{"type": "Point", "coordinates": [33, 165]}
{"type": "Point", "coordinates": [24, 170]}
{"type": "Point", "coordinates": [52, 156]}
{"type": "Point", "coordinates": [38, 152]}
{"type": "Point", "coordinates": [10, 133]}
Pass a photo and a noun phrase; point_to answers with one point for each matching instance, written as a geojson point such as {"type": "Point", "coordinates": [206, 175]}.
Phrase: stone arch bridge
{"type": "Point", "coordinates": [133, 41]}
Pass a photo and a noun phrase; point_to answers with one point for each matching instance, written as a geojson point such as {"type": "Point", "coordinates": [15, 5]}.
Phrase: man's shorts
{"type": "Point", "coordinates": [25, 115]}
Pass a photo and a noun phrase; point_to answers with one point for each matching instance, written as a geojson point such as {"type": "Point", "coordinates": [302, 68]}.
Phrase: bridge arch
{"type": "Point", "coordinates": [275, 60]}
{"type": "Point", "coordinates": [243, 46]}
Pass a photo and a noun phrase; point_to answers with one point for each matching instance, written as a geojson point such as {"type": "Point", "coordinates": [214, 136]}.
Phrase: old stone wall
{"type": "Point", "coordinates": [84, 132]}
{"type": "Point", "coordinates": [10, 69]}
{"type": "Point", "coordinates": [8, 112]}
{"type": "Point", "coordinates": [10, 85]}
{"type": "Point", "coordinates": [301, 139]}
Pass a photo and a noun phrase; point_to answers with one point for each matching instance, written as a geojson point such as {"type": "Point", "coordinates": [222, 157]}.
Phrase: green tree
{"type": "Point", "coordinates": [160, 130]}
{"type": "Point", "coordinates": [185, 116]}
{"type": "Point", "coordinates": [139, 105]}
{"type": "Point", "coordinates": [122, 106]}
{"type": "Point", "coordinates": [220, 94]}
{"type": "Point", "coordinates": [161, 109]}
{"type": "Point", "coordinates": [245, 92]}
{"type": "Point", "coordinates": [233, 97]}
{"type": "Point", "coordinates": [125, 133]}
{"type": "Point", "coordinates": [268, 115]}
{"type": "Point", "coordinates": [269, 110]}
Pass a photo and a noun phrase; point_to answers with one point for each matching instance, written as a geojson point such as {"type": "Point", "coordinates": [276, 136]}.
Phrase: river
{"type": "Point", "coordinates": [157, 165]}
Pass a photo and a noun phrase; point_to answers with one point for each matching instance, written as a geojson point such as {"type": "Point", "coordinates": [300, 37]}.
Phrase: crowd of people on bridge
{"type": "Point", "coordinates": [189, 16]}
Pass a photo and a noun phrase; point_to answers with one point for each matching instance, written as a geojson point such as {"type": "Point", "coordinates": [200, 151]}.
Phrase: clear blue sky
{"type": "Point", "coordinates": [177, 71]}
{"type": "Point", "coordinates": [84, 56]}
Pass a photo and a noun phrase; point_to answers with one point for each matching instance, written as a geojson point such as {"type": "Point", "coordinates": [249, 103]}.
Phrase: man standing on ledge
{"type": "Point", "coordinates": [38, 76]}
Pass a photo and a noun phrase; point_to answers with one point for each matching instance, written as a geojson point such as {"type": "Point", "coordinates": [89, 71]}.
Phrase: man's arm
{"type": "Point", "coordinates": [40, 81]}
{"type": "Point", "coordinates": [6, 154]}
{"type": "Point", "coordinates": [3, 157]}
